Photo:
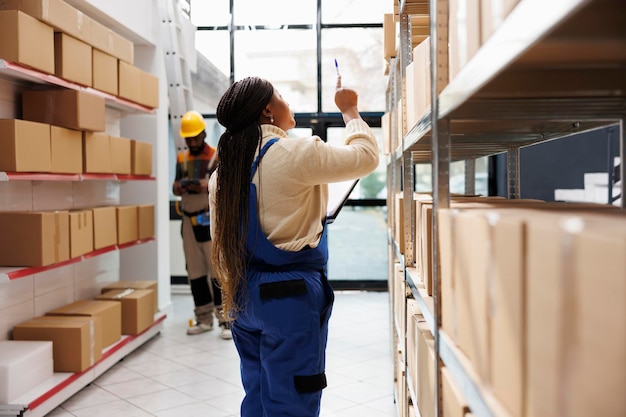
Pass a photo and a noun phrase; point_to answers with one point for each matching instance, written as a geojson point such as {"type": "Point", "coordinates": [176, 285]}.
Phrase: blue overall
{"type": "Point", "coordinates": [282, 328]}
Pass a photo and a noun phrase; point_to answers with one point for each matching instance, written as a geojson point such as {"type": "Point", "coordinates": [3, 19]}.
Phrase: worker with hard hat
{"type": "Point", "coordinates": [193, 168]}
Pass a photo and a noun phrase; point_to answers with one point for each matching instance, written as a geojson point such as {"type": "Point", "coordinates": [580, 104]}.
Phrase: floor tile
{"type": "Point", "coordinates": [175, 374]}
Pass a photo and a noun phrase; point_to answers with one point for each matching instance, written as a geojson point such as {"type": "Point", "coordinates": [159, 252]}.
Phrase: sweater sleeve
{"type": "Point", "coordinates": [326, 163]}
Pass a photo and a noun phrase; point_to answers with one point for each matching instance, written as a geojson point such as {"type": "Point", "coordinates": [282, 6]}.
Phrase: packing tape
{"type": "Point", "coordinates": [568, 311]}
{"type": "Point", "coordinates": [92, 344]}
{"type": "Point", "coordinates": [492, 220]}
{"type": "Point", "coordinates": [454, 330]}
{"type": "Point", "coordinates": [124, 293]}
{"type": "Point", "coordinates": [81, 20]}
{"type": "Point", "coordinates": [45, 10]}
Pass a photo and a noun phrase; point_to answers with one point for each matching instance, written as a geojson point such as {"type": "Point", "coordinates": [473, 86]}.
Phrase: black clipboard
{"type": "Point", "coordinates": [338, 194]}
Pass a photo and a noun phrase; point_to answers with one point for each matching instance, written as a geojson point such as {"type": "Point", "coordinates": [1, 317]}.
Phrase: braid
{"type": "Point", "coordinates": [238, 111]}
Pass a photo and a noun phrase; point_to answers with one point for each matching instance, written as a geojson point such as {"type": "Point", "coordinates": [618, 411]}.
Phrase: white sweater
{"type": "Point", "coordinates": [292, 181]}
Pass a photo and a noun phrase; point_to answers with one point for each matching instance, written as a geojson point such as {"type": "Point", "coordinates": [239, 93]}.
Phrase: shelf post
{"type": "Point", "coordinates": [408, 212]}
{"type": "Point", "coordinates": [622, 168]}
{"type": "Point", "coordinates": [512, 171]}
{"type": "Point", "coordinates": [470, 176]}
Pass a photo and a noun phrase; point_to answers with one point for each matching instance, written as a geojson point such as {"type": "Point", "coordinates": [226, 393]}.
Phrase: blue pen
{"type": "Point", "coordinates": [336, 66]}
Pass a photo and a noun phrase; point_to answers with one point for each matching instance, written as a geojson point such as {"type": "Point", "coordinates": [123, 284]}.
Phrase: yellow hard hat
{"type": "Point", "coordinates": [192, 124]}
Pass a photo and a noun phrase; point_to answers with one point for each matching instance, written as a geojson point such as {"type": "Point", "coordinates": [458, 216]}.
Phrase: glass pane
{"type": "Point", "coordinates": [214, 45]}
{"type": "Point", "coordinates": [457, 177]}
{"type": "Point", "coordinates": [375, 184]}
{"type": "Point", "coordinates": [354, 11]}
{"type": "Point", "coordinates": [286, 58]}
{"type": "Point", "coordinates": [358, 52]}
{"type": "Point", "coordinates": [358, 233]}
{"type": "Point", "coordinates": [300, 132]}
{"type": "Point", "coordinates": [210, 13]}
{"type": "Point", "coordinates": [423, 178]}
{"type": "Point", "coordinates": [213, 132]}
{"type": "Point", "coordinates": [275, 12]}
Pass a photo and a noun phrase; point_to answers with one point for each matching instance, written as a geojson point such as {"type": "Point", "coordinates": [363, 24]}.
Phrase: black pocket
{"type": "Point", "coordinates": [310, 383]}
{"type": "Point", "coordinates": [280, 289]}
{"type": "Point", "coordinates": [202, 233]}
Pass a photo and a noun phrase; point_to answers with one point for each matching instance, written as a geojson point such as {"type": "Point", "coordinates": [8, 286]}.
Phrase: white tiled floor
{"type": "Point", "coordinates": [175, 375]}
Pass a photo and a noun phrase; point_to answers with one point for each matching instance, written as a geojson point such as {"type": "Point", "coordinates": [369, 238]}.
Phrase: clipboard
{"type": "Point", "coordinates": [338, 194]}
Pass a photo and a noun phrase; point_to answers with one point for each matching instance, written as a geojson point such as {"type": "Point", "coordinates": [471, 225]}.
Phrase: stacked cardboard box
{"type": "Point", "coordinates": [110, 312]}
{"type": "Point", "coordinates": [523, 297]}
{"type": "Point", "coordinates": [137, 308]}
{"type": "Point", "coordinates": [45, 238]}
{"type": "Point", "coordinates": [54, 37]}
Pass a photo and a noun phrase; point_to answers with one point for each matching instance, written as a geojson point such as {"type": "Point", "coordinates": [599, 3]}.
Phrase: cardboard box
{"type": "Point", "coordinates": [111, 42]}
{"type": "Point", "coordinates": [136, 285]}
{"type": "Point", "coordinates": [464, 34]}
{"type": "Point", "coordinates": [426, 371]}
{"type": "Point", "coordinates": [104, 227]}
{"type": "Point", "coordinates": [492, 14]}
{"type": "Point", "coordinates": [141, 155]}
{"type": "Point", "coordinates": [26, 40]}
{"type": "Point", "coordinates": [413, 318]}
{"type": "Point", "coordinates": [110, 312]}
{"type": "Point", "coordinates": [389, 36]}
{"type": "Point", "coordinates": [149, 93]}
{"type": "Point", "coordinates": [454, 402]}
{"type": "Point", "coordinates": [66, 147]}
{"type": "Point", "coordinates": [120, 155]}
{"type": "Point", "coordinates": [34, 238]}
{"type": "Point", "coordinates": [104, 67]}
{"type": "Point", "coordinates": [81, 232]}
{"type": "Point", "coordinates": [471, 260]}
{"type": "Point", "coordinates": [97, 153]}
{"type": "Point", "coordinates": [421, 58]}
{"type": "Point", "coordinates": [56, 13]}
{"type": "Point", "coordinates": [24, 146]}
{"type": "Point", "coordinates": [145, 221]}
{"type": "Point", "coordinates": [23, 366]}
{"type": "Point", "coordinates": [506, 299]}
{"type": "Point", "coordinates": [67, 108]}
{"type": "Point", "coordinates": [127, 229]}
{"type": "Point", "coordinates": [129, 82]}
{"type": "Point", "coordinates": [423, 224]}
{"type": "Point", "coordinates": [137, 308]}
{"type": "Point", "coordinates": [575, 291]}
{"type": "Point", "coordinates": [72, 59]}
{"type": "Point", "coordinates": [76, 341]}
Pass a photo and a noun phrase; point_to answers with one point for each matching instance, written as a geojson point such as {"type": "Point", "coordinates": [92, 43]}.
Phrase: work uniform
{"type": "Point", "coordinates": [197, 244]}
{"type": "Point", "coordinates": [281, 334]}
{"type": "Point", "coordinates": [281, 329]}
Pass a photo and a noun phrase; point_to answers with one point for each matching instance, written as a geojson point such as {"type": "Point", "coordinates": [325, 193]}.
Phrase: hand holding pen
{"type": "Point", "coordinates": [346, 99]}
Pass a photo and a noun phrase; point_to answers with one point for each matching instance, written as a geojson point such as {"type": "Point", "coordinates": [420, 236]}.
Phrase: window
{"type": "Point", "coordinates": [282, 41]}
{"type": "Point", "coordinates": [287, 58]}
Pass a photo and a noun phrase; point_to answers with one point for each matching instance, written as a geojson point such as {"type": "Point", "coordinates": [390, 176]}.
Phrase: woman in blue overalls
{"type": "Point", "coordinates": [268, 201]}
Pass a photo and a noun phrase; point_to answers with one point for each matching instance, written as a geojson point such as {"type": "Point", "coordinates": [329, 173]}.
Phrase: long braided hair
{"type": "Point", "coordinates": [239, 111]}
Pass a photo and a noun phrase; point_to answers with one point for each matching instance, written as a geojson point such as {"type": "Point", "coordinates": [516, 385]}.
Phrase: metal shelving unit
{"type": "Point", "coordinates": [549, 71]}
